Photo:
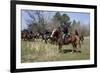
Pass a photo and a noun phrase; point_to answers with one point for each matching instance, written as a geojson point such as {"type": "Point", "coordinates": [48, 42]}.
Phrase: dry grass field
{"type": "Point", "coordinates": [38, 51]}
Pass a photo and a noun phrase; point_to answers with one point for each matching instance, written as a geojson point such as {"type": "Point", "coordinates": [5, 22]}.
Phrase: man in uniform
{"type": "Point", "coordinates": [65, 31]}
{"type": "Point", "coordinates": [76, 32]}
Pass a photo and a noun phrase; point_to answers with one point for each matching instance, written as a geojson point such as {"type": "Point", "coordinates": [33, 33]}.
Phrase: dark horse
{"type": "Point", "coordinates": [26, 36]}
{"type": "Point", "coordinates": [72, 38]}
{"type": "Point", "coordinates": [45, 36]}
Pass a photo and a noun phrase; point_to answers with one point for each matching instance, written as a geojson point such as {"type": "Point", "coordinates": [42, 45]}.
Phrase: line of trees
{"type": "Point", "coordinates": [41, 21]}
{"type": "Point", "coordinates": [83, 29]}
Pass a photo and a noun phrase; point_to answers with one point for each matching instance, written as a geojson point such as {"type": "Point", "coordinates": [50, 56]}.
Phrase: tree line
{"type": "Point", "coordinates": [41, 21]}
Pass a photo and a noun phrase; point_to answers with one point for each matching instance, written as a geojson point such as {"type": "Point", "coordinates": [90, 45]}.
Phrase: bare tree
{"type": "Point", "coordinates": [37, 17]}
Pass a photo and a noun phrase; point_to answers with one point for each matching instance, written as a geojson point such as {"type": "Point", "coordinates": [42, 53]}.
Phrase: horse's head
{"type": "Point", "coordinates": [53, 33]}
{"type": "Point", "coordinates": [56, 33]}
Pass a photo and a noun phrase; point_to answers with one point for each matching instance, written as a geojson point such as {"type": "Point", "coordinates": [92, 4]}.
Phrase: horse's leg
{"type": "Point", "coordinates": [79, 46]}
{"type": "Point", "coordinates": [82, 41]}
{"type": "Point", "coordinates": [60, 47]}
{"type": "Point", "coordinates": [57, 41]}
{"type": "Point", "coordinates": [45, 39]}
{"type": "Point", "coordinates": [73, 50]}
{"type": "Point", "coordinates": [76, 48]}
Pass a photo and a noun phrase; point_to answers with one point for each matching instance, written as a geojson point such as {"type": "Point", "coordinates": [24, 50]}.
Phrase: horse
{"type": "Point", "coordinates": [80, 35]}
{"type": "Point", "coordinates": [45, 36]}
{"type": "Point", "coordinates": [55, 35]}
{"type": "Point", "coordinates": [25, 35]}
{"type": "Point", "coordinates": [73, 39]}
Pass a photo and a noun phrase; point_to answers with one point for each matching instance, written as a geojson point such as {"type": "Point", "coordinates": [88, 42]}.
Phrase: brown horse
{"type": "Point", "coordinates": [71, 39]}
{"type": "Point", "coordinates": [55, 35]}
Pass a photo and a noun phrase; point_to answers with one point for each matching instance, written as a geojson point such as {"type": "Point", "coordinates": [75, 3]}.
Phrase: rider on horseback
{"type": "Point", "coordinates": [65, 31]}
{"type": "Point", "coordinates": [30, 33]}
{"type": "Point", "coordinates": [76, 32]}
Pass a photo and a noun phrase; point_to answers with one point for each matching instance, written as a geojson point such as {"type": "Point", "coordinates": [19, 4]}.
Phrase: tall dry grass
{"type": "Point", "coordinates": [38, 51]}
